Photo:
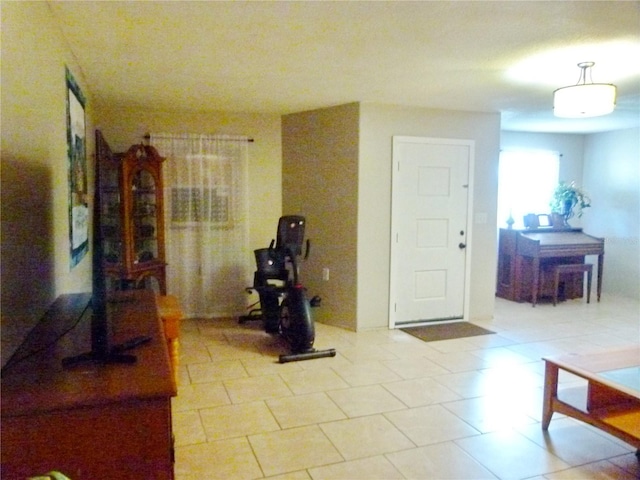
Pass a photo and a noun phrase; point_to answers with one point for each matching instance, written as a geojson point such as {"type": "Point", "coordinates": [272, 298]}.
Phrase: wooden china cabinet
{"type": "Point", "coordinates": [132, 217]}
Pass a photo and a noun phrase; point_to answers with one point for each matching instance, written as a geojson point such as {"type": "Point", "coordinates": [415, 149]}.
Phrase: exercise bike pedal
{"type": "Point", "coordinates": [308, 355]}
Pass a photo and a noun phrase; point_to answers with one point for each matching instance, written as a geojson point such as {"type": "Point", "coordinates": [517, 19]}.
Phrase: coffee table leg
{"type": "Point", "coordinates": [550, 392]}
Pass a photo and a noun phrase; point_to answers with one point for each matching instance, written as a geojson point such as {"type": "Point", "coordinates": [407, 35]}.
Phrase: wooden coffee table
{"type": "Point", "coordinates": [611, 401]}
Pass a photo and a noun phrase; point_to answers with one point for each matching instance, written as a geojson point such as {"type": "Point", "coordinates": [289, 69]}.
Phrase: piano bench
{"type": "Point", "coordinates": [571, 268]}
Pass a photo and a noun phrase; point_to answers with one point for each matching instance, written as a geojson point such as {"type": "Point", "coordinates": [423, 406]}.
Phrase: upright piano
{"type": "Point", "coordinates": [526, 259]}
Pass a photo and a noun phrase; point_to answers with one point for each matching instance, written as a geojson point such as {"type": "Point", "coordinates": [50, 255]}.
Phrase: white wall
{"type": "Point", "coordinates": [607, 166]}
{"type": "Point", "coordinates": [337, 165]}
{"type": "Point", "coordinates": [612, 178]}
{"type": "Point", "coordinates": [35, 187]}
{"type": "Point", "coordinates": [378, 125]}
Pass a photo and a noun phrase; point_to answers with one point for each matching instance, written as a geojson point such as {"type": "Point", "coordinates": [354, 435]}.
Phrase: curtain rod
{"type": "Point", "coordinates": [147, 136]}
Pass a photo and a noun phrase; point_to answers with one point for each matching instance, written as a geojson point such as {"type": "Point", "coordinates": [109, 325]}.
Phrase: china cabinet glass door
{"type": "Point", "coordinates": [145, 227]}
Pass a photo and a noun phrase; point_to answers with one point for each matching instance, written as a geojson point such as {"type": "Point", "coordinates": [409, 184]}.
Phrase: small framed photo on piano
{"type": "Point", "coordinates": [544, 220]}
{"type": "Point", "coordinates": [532, 220]}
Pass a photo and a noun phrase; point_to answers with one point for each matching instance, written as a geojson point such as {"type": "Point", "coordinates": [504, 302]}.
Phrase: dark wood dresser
{"type": "Point", "coordinates": [526, 259]}
{"type": "Point", "coordinates": [91, 421]}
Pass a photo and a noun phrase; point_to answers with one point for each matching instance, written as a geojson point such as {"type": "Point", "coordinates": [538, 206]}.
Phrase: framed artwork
{"type": "Point", "coordinates": [76, 151]}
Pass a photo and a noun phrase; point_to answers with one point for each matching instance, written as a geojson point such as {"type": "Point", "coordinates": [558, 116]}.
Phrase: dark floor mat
{"type": "Point", "coordinates": [446, 331]}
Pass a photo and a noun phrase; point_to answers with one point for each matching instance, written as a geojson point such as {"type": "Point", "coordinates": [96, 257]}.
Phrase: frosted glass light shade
{"type": "Point", "coordinates": [584, 100]}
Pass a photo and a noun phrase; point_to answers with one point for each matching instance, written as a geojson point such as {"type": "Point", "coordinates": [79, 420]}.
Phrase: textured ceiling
{"type": "Point", "coordinates": [284, 57]}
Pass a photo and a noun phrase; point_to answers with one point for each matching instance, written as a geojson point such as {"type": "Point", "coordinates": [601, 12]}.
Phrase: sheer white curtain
{"type": "Point", "coordinates": [206, 218]}
{"type": "Point", "coordinates": [526, 180]}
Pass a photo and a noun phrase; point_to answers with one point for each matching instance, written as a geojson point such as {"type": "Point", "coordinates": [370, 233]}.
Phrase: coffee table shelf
{"type": "Point", "coordinates": [611, 401]}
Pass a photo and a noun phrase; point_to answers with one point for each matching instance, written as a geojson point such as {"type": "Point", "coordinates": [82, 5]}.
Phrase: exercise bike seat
{"type": "Point", "coordinates": [270, 265]}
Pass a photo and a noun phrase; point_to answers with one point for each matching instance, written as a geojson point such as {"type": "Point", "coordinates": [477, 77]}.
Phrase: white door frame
{"type": "Point", "coordinates": [469, 223]}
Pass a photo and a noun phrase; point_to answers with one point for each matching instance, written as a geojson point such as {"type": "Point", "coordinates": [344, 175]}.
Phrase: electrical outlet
{"type": "Point", "coordinates": [325, 274]}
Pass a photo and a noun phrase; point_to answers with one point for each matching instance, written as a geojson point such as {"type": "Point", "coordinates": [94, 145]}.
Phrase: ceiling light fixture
{"type": "Point", "coordinates": [584, 99]}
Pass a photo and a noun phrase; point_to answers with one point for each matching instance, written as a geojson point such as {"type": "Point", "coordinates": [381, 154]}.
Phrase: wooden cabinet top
{"type": "Point", "coordinates": [561, 238]}
{"type": "Point", "coordinates": [551, 242]}
{"type": "Point", "coordinates": [40, 384]}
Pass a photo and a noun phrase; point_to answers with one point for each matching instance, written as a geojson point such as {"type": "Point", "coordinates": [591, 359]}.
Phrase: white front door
{"type": "Point", "coordinates": [430, 256]}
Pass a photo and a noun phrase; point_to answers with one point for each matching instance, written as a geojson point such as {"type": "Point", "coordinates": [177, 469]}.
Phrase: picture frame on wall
{"type": "Point", "coordinates": [77, 161]}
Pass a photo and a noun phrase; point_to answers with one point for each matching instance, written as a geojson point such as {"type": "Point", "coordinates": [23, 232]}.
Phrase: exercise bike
{"type": "Point", "coordinates": [284, 306]}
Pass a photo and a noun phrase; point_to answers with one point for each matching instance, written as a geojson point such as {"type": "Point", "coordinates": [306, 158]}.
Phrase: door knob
{"type": "Point", "coordinates": [462, 245]}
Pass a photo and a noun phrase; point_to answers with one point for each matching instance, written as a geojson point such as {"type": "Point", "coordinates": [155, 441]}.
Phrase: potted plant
{"type": "Point", "coordinates": [568, 200]}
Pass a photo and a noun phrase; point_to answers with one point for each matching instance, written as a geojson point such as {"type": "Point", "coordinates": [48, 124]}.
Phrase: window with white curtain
{"type": "Point", "coordinates": [206, 199]}
{"type": "Point", "coordinates": [191, 205]}
{"type": "Point", "coordinates": [206, 232]}
{"type": "Point", "coordinates": [526, 180]}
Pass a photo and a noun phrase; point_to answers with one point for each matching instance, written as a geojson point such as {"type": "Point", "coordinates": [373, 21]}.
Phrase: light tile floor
{"type": "Point", "coordinates": [390, 406]}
